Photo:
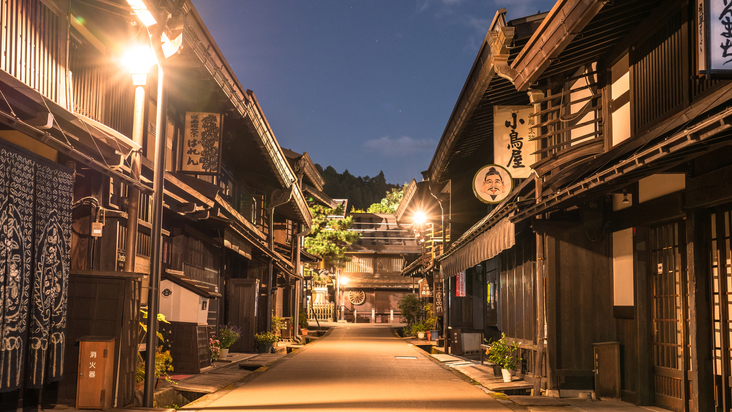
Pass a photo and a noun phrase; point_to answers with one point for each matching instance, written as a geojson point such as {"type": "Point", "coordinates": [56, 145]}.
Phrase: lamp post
{"type": "Point", "coordinates": [342, 282]}
{"type": "Point", "coordinates": [139, 61]}
{"type": "Point", "coordinates": [156, 25]}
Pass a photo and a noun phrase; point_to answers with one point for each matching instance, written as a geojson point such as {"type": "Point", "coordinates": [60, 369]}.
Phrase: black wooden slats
{"type": "Point", "coordinates": [660, 75]}
{"type": "Point", "coordinates": [31, 42]}
{"type": "Point", "coordinates": [571, 116]}
{"type": "Point", "coordinates": [101, 90]}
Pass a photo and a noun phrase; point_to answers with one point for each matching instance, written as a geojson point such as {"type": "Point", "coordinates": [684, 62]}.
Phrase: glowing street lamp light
{"type": "Point", "coordinates": [342, 282]}
{"type": "Point", "coordinates": [142, 12]}
{"type": "Point", "coordinates": [419, 218]}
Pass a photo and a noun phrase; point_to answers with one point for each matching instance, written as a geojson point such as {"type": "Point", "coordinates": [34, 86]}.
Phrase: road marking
{"type": "Point", "coordinates": [405, 357]}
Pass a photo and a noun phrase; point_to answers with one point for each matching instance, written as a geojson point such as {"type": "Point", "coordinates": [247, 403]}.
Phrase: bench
{"type": "Point", "coordinates": [483, 348]}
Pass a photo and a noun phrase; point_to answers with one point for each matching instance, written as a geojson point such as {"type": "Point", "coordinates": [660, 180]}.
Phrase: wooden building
{"type": "Point", "coordinates": [68, 150]}
{"type": "Point", "coordinates": [621, 227]}
{"type": "Point", "coordinates": [375, 284]}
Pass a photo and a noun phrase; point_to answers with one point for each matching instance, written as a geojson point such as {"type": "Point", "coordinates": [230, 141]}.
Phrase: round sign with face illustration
{"type": "Point", "coordinates": [492, 183]}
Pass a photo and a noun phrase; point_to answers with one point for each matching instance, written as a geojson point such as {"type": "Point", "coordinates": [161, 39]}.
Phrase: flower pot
{"type": "Point", "coordinates": [303, 331]}
{"type": "Point", "coordinates": [264, 347]}
{"type": "Point", "coordinates": [506, 375]}
{"type": "Point", "coordinates": [420, 335]}
{"type": "Point", "coordinates": [434, 334]}
{"type": "Point", "coordinates": [224, 353]}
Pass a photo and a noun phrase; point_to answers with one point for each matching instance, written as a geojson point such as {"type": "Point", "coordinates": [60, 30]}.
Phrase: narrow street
{"type": "Point", "coordinates": [355, 368]}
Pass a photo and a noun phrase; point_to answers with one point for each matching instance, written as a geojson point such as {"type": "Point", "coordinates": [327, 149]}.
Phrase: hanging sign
{"type": "Point", "coordinates": [202, 143]}
{"type": "Point", "coordinates": [460, 284]}
{"type": "Point", "coordinates": [714, 36]}
{"type": "Point", "coordinates": [439, 308]}
{"type": "Point", "coordinates": [424, 289]}
{"type": "Point", "coordinates": [512, 134]}
{"type": "Point", "coordinates": [492, 183]}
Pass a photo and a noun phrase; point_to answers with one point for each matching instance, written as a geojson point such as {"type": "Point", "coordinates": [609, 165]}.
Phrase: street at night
{"type": "Point", "coordinates": [355, 368]}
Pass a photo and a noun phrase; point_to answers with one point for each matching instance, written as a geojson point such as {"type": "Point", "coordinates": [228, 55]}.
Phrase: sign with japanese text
{"type": "Point", "coordinates": [460, 284]}
{"type": "Point", "coordinates": [512, 134]}
{"type": "Point", "coordinates": [714, 36]}
{"type": "Point", "coordinates": [492, 183]}
{"type": "Point", "coordinates": [424, 289]}
{"type": "Point", "coordinates": [439, 307]}
{"type": "Point", "coordinates": [202, 143]}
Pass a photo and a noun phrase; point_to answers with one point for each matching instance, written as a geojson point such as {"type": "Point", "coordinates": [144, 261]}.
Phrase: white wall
{"type": "Point", "coordinates": [623, 289]}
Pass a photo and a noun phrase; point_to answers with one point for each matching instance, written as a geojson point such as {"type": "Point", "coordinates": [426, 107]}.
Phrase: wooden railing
{"type": "Point", "coordinates": [321, 311]}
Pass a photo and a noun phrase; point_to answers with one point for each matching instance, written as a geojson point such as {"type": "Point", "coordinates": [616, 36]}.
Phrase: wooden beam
{"type": "Point", "coordinates": [700, 321]}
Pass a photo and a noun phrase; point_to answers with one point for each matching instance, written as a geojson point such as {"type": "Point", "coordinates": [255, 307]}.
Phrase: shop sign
{"type": "Point", "coordinates": [424, 289]}
{"type": "Point", "coordinates": [460, 284]}
{"type": "Point", "coordinates": [492, 183]}
{"type": "Point", "coordinates": [714, 36]}
{"type": "Point", "coordinates": [439, 307]}
{"type": "Point", "coordinates": [513, 147]}
{"type": "Point", "coordinates": [202, 143]}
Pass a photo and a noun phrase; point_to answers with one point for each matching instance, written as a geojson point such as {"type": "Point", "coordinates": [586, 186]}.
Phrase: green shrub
{"type": "Point", "coordinates": [411, 308]}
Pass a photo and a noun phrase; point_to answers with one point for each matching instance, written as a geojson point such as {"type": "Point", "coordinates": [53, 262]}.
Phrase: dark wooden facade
{"type": "Point", "coordinates": [621, 235]}
{"type": "Point", "coordinates": [69, 101]}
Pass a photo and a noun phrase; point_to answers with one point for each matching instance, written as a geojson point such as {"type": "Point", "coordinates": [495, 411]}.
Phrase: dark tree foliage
{"type": "Point", "coordinates": [361, 192]}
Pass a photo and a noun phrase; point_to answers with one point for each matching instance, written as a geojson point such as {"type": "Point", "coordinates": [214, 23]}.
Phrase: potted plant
{"type": "Point", "coordinates": [277, 324]}
{"type": "Point", "coordinates": [419, 329]}
{"type": "Point", "coordinates": [503, 354]}
{"type": "Point", "coordinates": [214, 345]}
{"type": "Point", "coordinates": [228, 334]}
{"type": "Point", "coordinates": [303, 323]}
{"type": "Point", "coordinates": [163, 365]}
{"type": "Point", "coordinates": [431, 323]}
{"type": "Point", "coordinates": [265, 340]}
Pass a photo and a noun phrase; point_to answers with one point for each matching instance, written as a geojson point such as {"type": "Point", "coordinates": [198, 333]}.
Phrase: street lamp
{"type": "Point", "coordinates": [342, 282]}
{"type": "Point", "coordinates": [149, 17]}
{"type": "Point", "coordinates": [139, 60]}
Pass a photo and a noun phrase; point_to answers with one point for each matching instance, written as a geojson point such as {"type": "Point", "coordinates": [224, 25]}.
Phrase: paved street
{"type": "Point", "coordinates": [355, 368]}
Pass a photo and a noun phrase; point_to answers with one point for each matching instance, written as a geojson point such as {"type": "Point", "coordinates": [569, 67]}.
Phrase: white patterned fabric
{"type": "Point", "coordinates": [35, 220]}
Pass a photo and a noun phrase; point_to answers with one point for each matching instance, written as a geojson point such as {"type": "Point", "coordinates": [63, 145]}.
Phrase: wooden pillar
{"type": "Point", "coordinates": [534, 96]}
{"type": "Point", "coordinates": [644, 325]}
{"type": "Point", "coordinates": [700, 321]}
{"type": "Point", "coordinates": [552, 319]}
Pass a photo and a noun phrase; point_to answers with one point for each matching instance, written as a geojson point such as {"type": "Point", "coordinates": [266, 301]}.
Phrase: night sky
{"type": "Point", "coordinates": [361, 85]}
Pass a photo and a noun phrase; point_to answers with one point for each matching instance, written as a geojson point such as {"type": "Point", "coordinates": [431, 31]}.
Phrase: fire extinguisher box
{"type": "Point", "coordinates": [95, 383]}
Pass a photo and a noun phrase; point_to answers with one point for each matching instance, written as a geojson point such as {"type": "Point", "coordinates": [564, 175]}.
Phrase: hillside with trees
{"type": "Point", "coordinates": [361, 192]}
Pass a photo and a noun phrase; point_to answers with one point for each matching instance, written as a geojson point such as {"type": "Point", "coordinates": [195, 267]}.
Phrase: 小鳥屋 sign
{"type": "Point", "coordinates": [512, 134]}
{"type": "Point", "coordinates": [202, 143]}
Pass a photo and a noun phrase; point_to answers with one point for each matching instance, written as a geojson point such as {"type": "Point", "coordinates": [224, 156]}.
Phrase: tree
{"type": "Point", "coordinates": [329, 237]}
{"type": "Point", "coordinates": [390, 203]}
{"type": "Point", "coordinates": [411, 308]}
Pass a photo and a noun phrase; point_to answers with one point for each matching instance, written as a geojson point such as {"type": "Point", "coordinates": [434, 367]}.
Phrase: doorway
{"type": "Point", "coordinates": [669, 305]}
{"type": "Point", "coordinates": [241, 301]}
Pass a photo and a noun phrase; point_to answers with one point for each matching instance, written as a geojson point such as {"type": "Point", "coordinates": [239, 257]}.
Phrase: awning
{"type": "Point", "coordinates": [195, 286]}
{"type": "Point", "coordinates": [235, 243]}
{"type": "Point", "coordinates": [417, 265]}
{"type": "Point", "coordinates": [485, 246]}
{"type": "Point", "coordinates": [322, 197]}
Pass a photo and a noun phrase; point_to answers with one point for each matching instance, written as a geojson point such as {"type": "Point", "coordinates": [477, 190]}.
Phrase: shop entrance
{"type": "Point", "coordinates": [670, 316]}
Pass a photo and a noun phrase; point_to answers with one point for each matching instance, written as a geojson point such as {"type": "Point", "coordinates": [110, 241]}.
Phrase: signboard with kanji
{"type": "Point", "coordinates": [460, 284]}
{"type": "Point", "coordinates": [714, 36]}
{"type": "Point", "coordinates": [424, 289]}
{"type": "Point", "coordinates": [512, 134]}
{"type": "Point", "coordinates": [439, 307]}
{"type": "Point", "coordinates": [202, 143]}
